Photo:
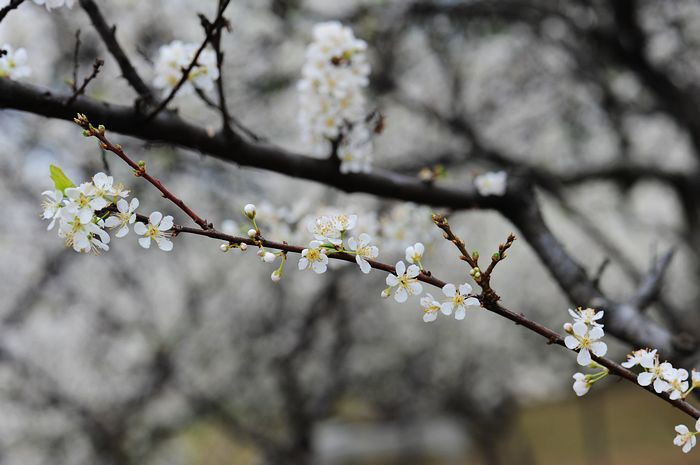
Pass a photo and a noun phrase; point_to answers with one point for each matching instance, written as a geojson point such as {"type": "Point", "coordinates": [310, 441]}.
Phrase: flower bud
{"type": "Point", "coordinates": [224, 247]}
{"type": "Point", "coordinates": [386, 292]}
{"type": "Point", "coordinates": [276, 276]}
{"type": "Point", "coordinates": [252, 233]}
{"type": "Point", "coordinates": [569, 328]}
{"type": "Point", "coordinates": [249, 211]}
{"type": "Point", "coordinates": [243, 246]}
{"type": "Point", "coordinates": [268, 257]}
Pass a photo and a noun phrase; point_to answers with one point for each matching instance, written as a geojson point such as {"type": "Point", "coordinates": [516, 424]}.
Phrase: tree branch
{"type": "Point", "coordinates": [108, 35]}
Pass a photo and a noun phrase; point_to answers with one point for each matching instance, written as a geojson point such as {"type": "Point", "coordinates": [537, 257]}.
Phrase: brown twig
{"type": "Point", "coordinates": [9, 7]}
{"type": "Point", "coordinates": [95, 71]}
{"type": "Point", "coordinates": [139, 168]}
{"type": "Point", "coordinates": [483, 279]}
{"type": "Point", "coordinates": [486, 298]}
{"type": "Point", "coordinates": [210, 29]}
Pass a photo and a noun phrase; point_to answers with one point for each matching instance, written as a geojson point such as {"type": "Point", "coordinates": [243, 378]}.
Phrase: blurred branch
{"type": "Point", "coordinates": [79, 91]}
{"type": "Point", "coordinates": [9, 7]}
{"type": "Point", "coordinates": [108, 35]}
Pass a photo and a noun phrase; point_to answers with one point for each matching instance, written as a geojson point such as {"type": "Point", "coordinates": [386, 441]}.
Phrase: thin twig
{"type": "Point", "coordinates": [139, 168]}
{"type": "Point", "coordinates": [9, 7]}
{"type": "Point", "coordinates": [95, 70]}
{"type": "Point", "coordinates": [108, 35]}
{"type": "Point", "coordinates": [210, 30]}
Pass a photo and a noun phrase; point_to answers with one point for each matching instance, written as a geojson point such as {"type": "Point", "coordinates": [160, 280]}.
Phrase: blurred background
{"type": "Point", "coordinates": [195, 357]}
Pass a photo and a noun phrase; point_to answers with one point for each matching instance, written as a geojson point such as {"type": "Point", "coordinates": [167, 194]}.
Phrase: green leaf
{"type": "Point", "coordinates": [60, 180]}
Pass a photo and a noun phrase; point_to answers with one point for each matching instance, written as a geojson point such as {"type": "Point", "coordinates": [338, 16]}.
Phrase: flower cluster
{"type": "Point", "coordinates": [12, 63]}
{"type": "Point", "coordinates": [84, 213]}
{"type": "Point", "coordinates": [49, 4]}
{"type": "Point", "coordinates": [662, 376]}
{"type": "Point", "coordinates": [331, 99]}
{"type": "Point", "coordinates": [405, 283]}
{"type": "Point", "coordinates": [175, 57]}
{"type": "Point", "coordinates": [493, 183]}
{"type": "Point", "coordinates": [584, 335]}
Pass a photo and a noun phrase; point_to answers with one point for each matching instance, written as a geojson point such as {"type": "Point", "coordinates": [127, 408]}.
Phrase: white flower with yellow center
{"type": "Point", "coordinates": [315, 257]}
{"type": "Point", "coordinates": [677, 381]}
{"type": "Point", "coordinates": [414, 253]}
{"type": "Point", "coordinates": [363, 251]}
{"type": "Point", "coordinates": [431, 307]}
{"type": "Point", "coordinates": [85, 237]}
{"type": "Point", "coordinates": [157, 229]}
{"type": "Point", "coordinates": [52, 205]}
{"type": "Point", "coordinates": [685, 439]}
{"type": "Point", "coordinates": [124, 217]}
{"type": "Point", "coordinates": [405, 282]}
{"type": "Point", "coordinates": [12, 63]}
{"type": "Point", "coordinates": [83, 201]}
{"type": "Point", "coordinates": [586, 341]}
{"type": "Point", "coordinates": [458, 301]}
{"type": "Point", "coordinates": [493, 183]}
{"type": "Point", "coordinates": [654, 372]}
{"type": "Point", "coordinates": [587, 315]}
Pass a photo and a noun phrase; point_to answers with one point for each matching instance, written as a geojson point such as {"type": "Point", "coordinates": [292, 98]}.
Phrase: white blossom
{"type": "Point", "coordinates": [414, 253]}
{"type": "Point", "coordinates": [431, 307]}
{"type": "Point", "coordinates": [685, 438]}
{"type": "Point", "coordinates": [50, 4]}
{"type": "Point", "coordinates": [52, 206]}
{"type": "Point", "coordinates": [586, 341]}
{"type": "Point", "coordinates": [677, 381]}
{"type": "Point", "coordinates": [581, 384]}
{"type": "Point", "coordinates": [635, 358]}
{"type": "Point", "coordinates": [157, 229]}
{"type": "Point", "coordinates": [176, 56]}
{"type": "Point", "coordinates": [124, 217]}
{"type": "Point", "coordinates": [82, 236]}
{"type": "Point", "coordinates": [655, 372]}
{"type": "Point", "coordinates": [405, 282]}
{"type": "Point", "coordinates": [363, 251]}
{"type": "Point", "coordinates": [330, 229]}
{"type": "Point", "coordinates": [13, 63]}
{"type": "Point", "coordinates": [84, 201]}
{"type": "Point", "coordinates": [587, 315]}
{"type": "Point", "coordinates": [493, 183]}
{"type": "Point", "coordinates": [330, 95]}
{"type": "Point", "coordinates": [314, 256]}
{"type": "Point", "coordinates": [458, 301]}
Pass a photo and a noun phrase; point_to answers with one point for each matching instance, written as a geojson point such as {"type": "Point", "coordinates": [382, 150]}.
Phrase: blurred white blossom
{"type": "Point", "coordinates": [176, 56]}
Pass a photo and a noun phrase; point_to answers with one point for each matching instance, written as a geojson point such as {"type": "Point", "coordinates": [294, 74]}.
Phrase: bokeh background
{"type": "Point", "coordinates": [195, 357]}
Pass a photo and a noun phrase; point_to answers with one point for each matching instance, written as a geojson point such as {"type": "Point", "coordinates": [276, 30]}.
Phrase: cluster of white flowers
{"type": "Point", "coordinates": [84, 213]}
{"type": "Point", "coordinates": [329, 233]}
{"type": "Point", "coordinates": [584, 335]}
{"type": "Point", "coordinates": [493, 183]}
{"type": "Point", "coordinates": [175, 57]}
{"type": "Point", "coordinates": [405, 283]}
{"type": "Point", "coordinates": [331, 99]}
{"type": "Point", "coordinates": [663, 376]}
{"type": "Point", "coordinates": [49, 4]}
{"type": "Point", "coordinates": [13, 63]}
